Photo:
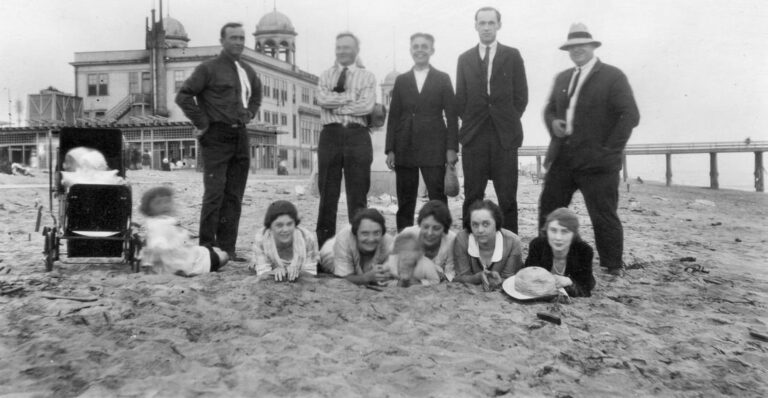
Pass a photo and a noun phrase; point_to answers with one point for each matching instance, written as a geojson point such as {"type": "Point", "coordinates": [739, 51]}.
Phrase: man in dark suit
{"type": "Point", "coordinates": [590, 116]}
{"type": "Point", "coordinates": [491, 96]}
{"type": "Point", "coordinates": [418, 137]}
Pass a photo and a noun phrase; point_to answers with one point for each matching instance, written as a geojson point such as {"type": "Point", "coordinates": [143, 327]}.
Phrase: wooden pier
{"type": "Point", "coordinates": [712, 148]}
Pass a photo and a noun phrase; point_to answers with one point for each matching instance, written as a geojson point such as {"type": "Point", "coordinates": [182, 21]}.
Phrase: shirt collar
{"type": "Point", "coordinates": [481, 46]}
{"type": "Point", "coordinates": [225, 55]}
{"type": "Point", "coordinates": [474, 250]}
{"type": "Point", "coordinates": [586, 68]}
{"type": "Point", "coordinates": [350, 68]}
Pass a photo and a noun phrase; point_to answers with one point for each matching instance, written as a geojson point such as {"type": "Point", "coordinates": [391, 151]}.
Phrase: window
{"type": "Point", "coordinates": [133, 82]}
{"type": "Point", "coordinates": [178, 79]}
{"type": "Point", "coordinates": [97, 84]}
{"type": "Point", "coordinates": [294, 159]}
{"type": "Point", "coordinates": [266, 89]}
{"type": "Point", "coordinates": [294, 127]}
{"type": "Point", "coordinates": [258, 115]}
{"type": "Point", "coordinates": [306, 95]}
{"type": "Point", "coordinates": [275, 118]}
{"type": "Point", "coordinates": [283, 119]}
{"type": "Point", "coordinates": [276, 93]}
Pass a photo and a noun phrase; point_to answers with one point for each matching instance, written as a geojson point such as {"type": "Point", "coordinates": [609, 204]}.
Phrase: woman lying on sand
{"type": "Point", "coordinates": [283, 248]}
{"type": "Point", "coordinates": [168, 248]}
{"type": "Point", "coordinates": [484, 252]}
{"type": "Point", "coordinates": [359, 251]}
{"type": "Point", "coordinates": [562, 252]}
{"type": "Point", "coordinates": [436, 238]}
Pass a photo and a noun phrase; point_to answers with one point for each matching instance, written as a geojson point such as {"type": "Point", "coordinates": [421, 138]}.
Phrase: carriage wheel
{"type": "Point", "coordinates": [51, 248]}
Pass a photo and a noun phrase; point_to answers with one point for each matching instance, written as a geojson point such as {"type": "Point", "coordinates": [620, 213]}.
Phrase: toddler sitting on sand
{"type": "Point", "coordinates": [408, 264]}
{"type": "Point", "coordinates": [168, 248]}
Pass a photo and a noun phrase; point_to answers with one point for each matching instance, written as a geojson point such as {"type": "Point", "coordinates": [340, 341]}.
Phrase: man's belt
{"type": "Point", "coordinates": [228, 125]}
{"type": "Point", "coordinates": [346, 126]}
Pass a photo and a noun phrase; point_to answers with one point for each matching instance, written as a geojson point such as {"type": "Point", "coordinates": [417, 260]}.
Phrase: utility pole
{"type": "Point", "coordinates": [10, 117]}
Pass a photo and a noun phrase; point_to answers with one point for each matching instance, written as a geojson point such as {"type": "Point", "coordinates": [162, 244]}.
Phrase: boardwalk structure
{"type": "Point", "coordinates": [712, 148]}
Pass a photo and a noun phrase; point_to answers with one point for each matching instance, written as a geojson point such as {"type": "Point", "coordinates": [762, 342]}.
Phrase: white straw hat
{"type": "Point", "coordinates": [579, 34]}
{"type": "Point", "coordinates": [531, 283]}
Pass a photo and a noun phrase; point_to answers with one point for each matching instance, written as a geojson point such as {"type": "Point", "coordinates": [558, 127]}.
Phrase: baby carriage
{"type": "Point", "coordinates": [94, 218]}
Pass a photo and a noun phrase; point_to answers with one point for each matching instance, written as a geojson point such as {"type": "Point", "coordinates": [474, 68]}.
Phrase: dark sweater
{"type": "Point", "coordinates": [578, 264]}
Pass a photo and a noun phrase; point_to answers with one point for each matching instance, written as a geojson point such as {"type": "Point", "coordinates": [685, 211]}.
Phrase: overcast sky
{"type": "Point", "coordinates": [699, 68]}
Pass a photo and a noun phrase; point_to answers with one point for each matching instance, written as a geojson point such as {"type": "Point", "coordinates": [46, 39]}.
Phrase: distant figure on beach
{"type": "Point", "coordinates": [485, 253]}
{"type": "Point", "coordinates": [282, 248]}
{"type": "Point", "coordinates": [346, 95]}
{"type": "Point", "coordinates": [169, 248]}
{"type": "Point", "coordinates": [220, 97]}
{"type": "Point", "coordinates": [491, 96]}
{"type": "Point", "coordinates": [435, 236]}
{"type": "Point", "coordinates": [640, 180]}
{"type": "Point", "coordinates": [562, 252]}
{"type": "Point", "coordinates": [146, 160]}
{"type": "Point", "coordinates": [747, 141]}
{"type": "Point", "coordinates": [590, 115]}
{"type": "Point", "coordinates": [360, 251]}
{"type": "Point", "coordinates": [418, 137]}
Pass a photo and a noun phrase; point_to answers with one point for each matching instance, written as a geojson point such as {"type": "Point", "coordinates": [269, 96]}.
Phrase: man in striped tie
{"type": "Point", "coordinates": [346, 95]}
{"type": "Point", "coordinates": [590, 116]}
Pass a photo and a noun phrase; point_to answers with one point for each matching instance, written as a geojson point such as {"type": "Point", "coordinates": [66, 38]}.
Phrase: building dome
{"type": "Point", "coordinates": [390, 79]}
{"type": "Point", "coordinates": [276, 22]}
{"type": "Point", "coordinates": [175, 34]}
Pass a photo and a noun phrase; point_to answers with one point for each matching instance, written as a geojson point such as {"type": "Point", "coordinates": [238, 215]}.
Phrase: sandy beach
{"type": "Point", "coordinates": [677, 324]}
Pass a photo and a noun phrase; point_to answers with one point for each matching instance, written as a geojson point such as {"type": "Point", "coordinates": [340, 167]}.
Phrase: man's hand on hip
{"type": "Point", "coordinates": [558, 128]}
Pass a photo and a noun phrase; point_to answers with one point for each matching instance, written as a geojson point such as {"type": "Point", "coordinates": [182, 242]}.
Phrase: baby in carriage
{"type": "Point", "coordinates": [169, 248]}
{"type": "Point", "coordinates": [84, 165]}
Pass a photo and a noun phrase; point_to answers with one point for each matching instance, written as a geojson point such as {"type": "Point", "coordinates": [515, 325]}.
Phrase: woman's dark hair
{"type": "Point", "coordinates": [279, 208]}
{"type": "Point", "coordinates": [150, 195]}
{"type": "Point", "coordinates": [437, 209]}
{"type": "Point", "coordinates": [564, 217]}
{"type": "Point", "coordinates": [367, 214]}
{"type": "Point", "coordinates": [484, 205]}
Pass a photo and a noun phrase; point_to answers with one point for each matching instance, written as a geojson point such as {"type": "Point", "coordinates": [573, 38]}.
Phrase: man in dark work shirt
{"type": "Point", "coordinates": [228, 95]}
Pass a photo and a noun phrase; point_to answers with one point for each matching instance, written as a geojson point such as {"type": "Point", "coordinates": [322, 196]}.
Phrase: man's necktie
{"type": "Point", "coordinates": [575, 84]}
{"type": "Point", "coordinates": [486, 60]}
{"type": "Point", "coordinates": [342, 82]}
{"type": "Point", "coordinates": [245, 85]}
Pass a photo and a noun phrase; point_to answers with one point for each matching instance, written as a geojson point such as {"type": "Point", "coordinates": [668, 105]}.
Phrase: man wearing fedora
{"type": "Point", "coordinates": [590, 115]}
{"type": "Point", "coordinates": [491, 96]}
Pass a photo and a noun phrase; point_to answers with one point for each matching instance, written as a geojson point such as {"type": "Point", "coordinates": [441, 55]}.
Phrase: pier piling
{"type": "Point", "coordinates": [713, 174]}
{"type": "Point", "coordinates": [759, 172]}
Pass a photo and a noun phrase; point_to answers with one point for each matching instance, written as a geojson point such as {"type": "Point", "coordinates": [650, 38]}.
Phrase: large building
{"type": "Point", "coordinates": [134, 88]}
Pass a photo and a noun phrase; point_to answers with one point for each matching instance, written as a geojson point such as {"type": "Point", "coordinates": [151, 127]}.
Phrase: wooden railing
{"type": "Point", "coordinates": [712, 148]}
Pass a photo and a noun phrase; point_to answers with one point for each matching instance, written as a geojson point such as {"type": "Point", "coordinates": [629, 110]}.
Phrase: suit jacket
{"type": "Point", "coordinates": [506, 103]}
{"type": "Point", "coordinates": [603, 120]}
{"type": "Point", "coordinates": [578, 264]}
{"type": "Point", "coordinates": [416, 127]}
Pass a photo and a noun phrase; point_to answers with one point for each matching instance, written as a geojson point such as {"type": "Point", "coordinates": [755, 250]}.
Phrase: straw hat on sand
{"type": "Point", "coordinates": [531, 283]}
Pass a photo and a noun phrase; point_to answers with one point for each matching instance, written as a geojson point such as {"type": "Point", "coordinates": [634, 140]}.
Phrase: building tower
{"type": "Point", "coordinates": [276, 37]}
{"type": "Point", "coordinates": [175, 34]}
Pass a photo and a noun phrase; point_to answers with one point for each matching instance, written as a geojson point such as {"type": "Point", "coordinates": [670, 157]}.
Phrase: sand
{"type": "Point", "coordinates": [666, 328]}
